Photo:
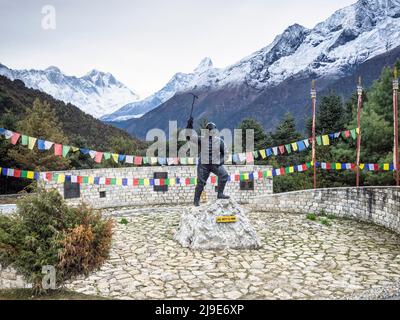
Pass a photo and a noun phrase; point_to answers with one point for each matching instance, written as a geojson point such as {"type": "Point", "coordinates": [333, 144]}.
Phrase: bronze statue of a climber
{"type": "Point", "coordinates": [211, 159]}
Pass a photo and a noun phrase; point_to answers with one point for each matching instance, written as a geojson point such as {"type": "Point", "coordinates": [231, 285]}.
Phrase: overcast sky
{"type": "Point", "coordinates": [143, 43]}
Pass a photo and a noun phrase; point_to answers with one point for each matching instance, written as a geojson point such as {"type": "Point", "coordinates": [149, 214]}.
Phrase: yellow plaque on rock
{"type": "Point", "coordinates": [226, 219]}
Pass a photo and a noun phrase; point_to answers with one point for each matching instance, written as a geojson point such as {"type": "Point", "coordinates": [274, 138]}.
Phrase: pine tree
{"type": "Point", "coordinates": [41, 122]}
{"type": "Point", "coordinates": [261, 140]}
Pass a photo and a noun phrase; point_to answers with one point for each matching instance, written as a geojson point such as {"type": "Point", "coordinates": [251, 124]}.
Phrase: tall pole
{"type": "Point", "coordinates": [359, 109]}
{"type": "Point", "coordinates": [396, 126]}
{"type": "Point", "coordinates": [314, 107]}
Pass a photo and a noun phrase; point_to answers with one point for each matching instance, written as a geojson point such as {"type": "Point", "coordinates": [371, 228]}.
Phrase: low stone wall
{"type": "Point", "coordinates": [120, 196]}
{"type": "Point", "coordinates": [378, 205]}
{"type": "Point", "coordinates": [10, 280]}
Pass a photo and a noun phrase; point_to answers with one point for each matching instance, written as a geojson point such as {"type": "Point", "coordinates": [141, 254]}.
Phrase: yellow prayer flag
{"type": "Point", "coordinates": [119, 182]}
{"type": "Point", "coordinates": [291, 169]}
{"type": "Point", "coordinates": [146, 182]}
{"type": "Point", "coordinates": [263, 155]}
{"type": "Point", "coordinates": [91, 180]}
{"type": "Point", "coordinates": [269, 173]}
{"type": "Point", "coordinates": [153, 160]}
{"type": "Point", "coordinates": [190, 160]}
{"type": "Point", "coordinates": [386, 166]}
{"type": "Point", "coordinates": [31, 143]}
{"type": "Point", "coordinates": [30, 174]}
{"type": "Point", "coordinates": [172, 181]}
{"type": "Point", "coordinates": [358, 130]}
{"type": "Point", "coordinates": [246, 176]}
{"type": "Point", "coordinates": [74, 149]}
{"type": "Point", "coordinates": [294, 146]}
{"type": "Point", "coordinates": [61, 178]}
{"type": "Point", "coordinates": [338, 166]}
{"type": "Point", "coordinates": [115, 157]}
{"type": "Point", "coordinates": [325, 140]}
{"type": "Point", "coordinates": [361, 166]}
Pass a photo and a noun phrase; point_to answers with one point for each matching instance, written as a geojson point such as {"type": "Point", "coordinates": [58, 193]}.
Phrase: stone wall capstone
{"type": "Point", "coordinates": [378, 205]}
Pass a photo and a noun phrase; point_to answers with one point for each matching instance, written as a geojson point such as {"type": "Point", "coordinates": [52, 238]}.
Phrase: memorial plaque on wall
{"type": "Point", "coordinates": [160, 175]}
{"type": "Point", "coordinates": [72, 190]}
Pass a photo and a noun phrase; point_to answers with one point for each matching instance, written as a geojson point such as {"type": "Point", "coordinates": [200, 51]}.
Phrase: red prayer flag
{"type": "Point", "coordinates": [249, 157]}
{"type": "Point", "coordinates": [137, 161]}
{"type": "Point", "coordinates": [260, 174]}
{"type": "Point", "coordinates": [237, 177]}
{"type": "Point", "coordinates": [80, 179]}
{"type": "Point", "coordinates": [304, 167]}
{"type": "Point", "coordinates": [57, 149]}
{"type": "Point", "coordinates": [282, 171]}
{"type": "Point", "coordinates": [135, 182]}
{"type": "Point", "coordinates": [108, 181]}
{"type": "Point", "coordinates": [187, 181]}
{"type": "Point", "coordinates": [347, 133]}
{"type": "Point", "coordinates": [15, 137]}
{"type": "Point", "coordinates": [17, 173]}
{"type": "Point", "coordinates": [98, 157]}
{"type": "Point", "coordinates": [376, 167]}
{"type": "Point", "coordinates": [49, 176]}
{"type": "Point", "coordinates": [328, 166]}
{"type": "Point", "coordinates": [213, 179]}
{"type": "Point", "coordinates": [282, 149]}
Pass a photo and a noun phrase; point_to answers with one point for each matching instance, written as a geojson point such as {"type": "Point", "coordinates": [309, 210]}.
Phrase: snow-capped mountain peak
{"type": "Point", "coordinates": [96, 93]}
{"type": "Point", "coordinates": [204, 65]}
{"type": "Point", "coordinates": [53, 69]}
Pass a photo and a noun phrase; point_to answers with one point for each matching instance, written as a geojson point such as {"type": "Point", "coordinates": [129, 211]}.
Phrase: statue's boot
{"type": "Point", "coordinates": [221, 187]}
{"type": "Point", "coordinates": [197, 194]}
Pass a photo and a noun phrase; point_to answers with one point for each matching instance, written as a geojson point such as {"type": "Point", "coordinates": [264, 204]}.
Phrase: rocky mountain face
{"type": "Point", "coordinates": [356, 40]}
{"type": "Point", "coordinates": [96, 93]}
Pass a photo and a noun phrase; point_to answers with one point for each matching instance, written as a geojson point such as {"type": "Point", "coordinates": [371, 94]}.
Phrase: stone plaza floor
{"type": "Point", "coordinates": [299, 259]}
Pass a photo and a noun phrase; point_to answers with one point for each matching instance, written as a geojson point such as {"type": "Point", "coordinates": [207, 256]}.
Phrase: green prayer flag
{"type": "Point", "coordinates": [255, 154]}
{"type": "Point", "coordinates": [353, 133]}
{"type": "Point", "coordinates": [24, 173]}
{"type": "Point", "coordinates": [85, 179]}
{"type": "Point", "coordinates": [24, 140]}
{"type": "Point", "coordinates": [288, 148]}
{"type": "Point", "coordinates": [55, 177]}
{"type": "Point", "coordinates": [287, 170]}
{"type": "Point", "coordinates": [308, 165]}
{"type": "Point", "coordinates": [166, 182]}
{"type": "Point", "coordinates": [141, 182]}
{"type": "Point", "coordinates": [113, 181]}
{"type": "Point", "coordinates": [107, 155]}
{"type": "Point", "coordinates": [192, 180]}
{"type": "Point", "coordinates": [319, 140]}
{"type": "Point", "coordinates": [145, 160]}
{"type": "Point", "coordinates": [65, 150]}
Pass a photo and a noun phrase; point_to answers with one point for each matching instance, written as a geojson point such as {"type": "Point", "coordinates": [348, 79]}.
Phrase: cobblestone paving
{"type": "Point", "coordinates": [299, 259]}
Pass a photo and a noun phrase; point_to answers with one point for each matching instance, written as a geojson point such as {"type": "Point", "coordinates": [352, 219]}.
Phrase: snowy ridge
{"type": "Point", "coordinates": [349, 37]}
{"type": "Point", "coordinates": [179, 82]}
{"type": "Point", "coordinates": [96, 93]}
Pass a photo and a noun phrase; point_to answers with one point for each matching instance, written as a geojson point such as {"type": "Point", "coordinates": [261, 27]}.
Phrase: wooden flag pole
{"type": "Point", "coordinates": [396, 126]}
{"type": "Point", "coordinates": [359, 109]}
{"type": "Point", "coordinates": [314, 107]}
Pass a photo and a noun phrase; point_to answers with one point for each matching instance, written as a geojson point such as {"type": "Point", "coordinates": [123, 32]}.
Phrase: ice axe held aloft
{"type": "Point", "coordinates": [194, 99]}
{"type": "Point", "coordinates": [190, 121]}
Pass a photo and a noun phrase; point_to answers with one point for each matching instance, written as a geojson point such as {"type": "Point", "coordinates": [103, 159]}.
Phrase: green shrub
{"type": "Point", "coordinates": [325, 222]}
{"type": "Point", "coordinates": [123, 221]}
{"type": "Point", "coordinates": [46, 231]}
{"type": "Point", "coordinates": [311, 216]}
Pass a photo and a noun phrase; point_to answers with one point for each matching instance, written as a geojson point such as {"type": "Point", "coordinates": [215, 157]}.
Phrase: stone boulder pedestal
{"type": "Point", "coordinates": [210, 226]}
